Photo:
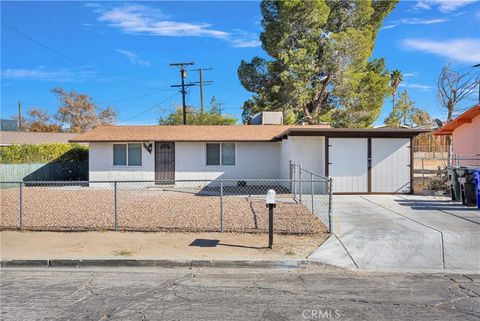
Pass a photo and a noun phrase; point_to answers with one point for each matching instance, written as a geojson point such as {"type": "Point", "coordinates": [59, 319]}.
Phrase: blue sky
{"type": "Point", "coordinates": [119, 52]}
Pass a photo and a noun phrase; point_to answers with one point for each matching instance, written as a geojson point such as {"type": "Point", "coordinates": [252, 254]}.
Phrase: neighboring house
{"type": "Point", "coordinates": [66, 167]}
{"type": "Point", "coordinates": [10, 125]}
{"type": "Point", "coordinates": [359, 160]}
{"type": "Point", "coordinates": [465, 133]}
{"type": "Point", "coordinates": [10, 138]}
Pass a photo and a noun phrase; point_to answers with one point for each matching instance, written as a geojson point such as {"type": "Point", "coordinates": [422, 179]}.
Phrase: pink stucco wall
{"type": "Point", "coordinates": [466, 139]}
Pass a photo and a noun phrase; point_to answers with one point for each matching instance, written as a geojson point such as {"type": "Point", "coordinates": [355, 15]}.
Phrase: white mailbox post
{"type": "Point", "coordinates": [271, 203]}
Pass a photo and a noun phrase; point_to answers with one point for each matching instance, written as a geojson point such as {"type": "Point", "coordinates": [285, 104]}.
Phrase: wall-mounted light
{"type": "Point", "coordinates": [148, 147]}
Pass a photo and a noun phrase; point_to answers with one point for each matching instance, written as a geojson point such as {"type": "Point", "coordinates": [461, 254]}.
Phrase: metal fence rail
{"type": "Point", "coordinates": [180, 205]}
{"type": "Point", "coordinates": [466, 160]}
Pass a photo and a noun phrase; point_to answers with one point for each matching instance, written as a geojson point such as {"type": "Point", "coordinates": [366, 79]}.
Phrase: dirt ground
{"type": "Point", "coordinates": [160, 245]}
{"type": "Point", "coordinates": [78, 208]}
{"type": "Point", "coordinates": [430, 169]}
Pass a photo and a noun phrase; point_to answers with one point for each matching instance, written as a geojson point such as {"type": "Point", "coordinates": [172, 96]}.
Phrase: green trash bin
{"type": "Point", "coordinates": [454, 183]}
{"type": "Point", "coordinates": [467, 186]}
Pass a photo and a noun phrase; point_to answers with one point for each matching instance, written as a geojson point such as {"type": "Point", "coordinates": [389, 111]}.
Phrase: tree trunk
{"type": "Point", "coordinates": [450, 108]}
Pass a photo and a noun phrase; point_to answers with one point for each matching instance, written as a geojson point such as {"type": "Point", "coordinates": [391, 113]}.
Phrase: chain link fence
{"type": "Point", "coordinates": [430, 171]}
{"type": "Point", "coordinates": [313, 191]}
{"type": "Point", "coordinates": [235, 205]}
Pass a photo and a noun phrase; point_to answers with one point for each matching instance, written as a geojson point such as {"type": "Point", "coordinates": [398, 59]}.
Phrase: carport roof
{"type": "Point", "coordinates": [353, 132]}
{"type": "Point", "coordinates": [233, 133]}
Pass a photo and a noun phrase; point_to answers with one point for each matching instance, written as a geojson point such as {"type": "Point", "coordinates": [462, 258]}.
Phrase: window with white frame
{"type": "Point", "coordinates": [220, 153]}
{"type": "Point", "coordinates": [127, 154]}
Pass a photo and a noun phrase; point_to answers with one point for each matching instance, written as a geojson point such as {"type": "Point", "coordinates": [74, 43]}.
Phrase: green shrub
{"type": "Point", "coordinates": [43, 153]}
{"type": "Point", "coordinates": [439, 182]}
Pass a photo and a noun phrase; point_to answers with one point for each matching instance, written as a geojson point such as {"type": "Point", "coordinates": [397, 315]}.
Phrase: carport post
{"type": "Point", "coordinates": [116, 204]}
{"type": "Point", "coordinates": [330, 192]}
{"type": "Point", "coordinates": [221, 205]}
{"type": "Point", "coordinates": [21, 204]}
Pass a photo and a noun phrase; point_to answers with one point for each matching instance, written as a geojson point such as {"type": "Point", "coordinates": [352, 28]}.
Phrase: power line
{"type": "Point", "coordinates": [229, 89]}
{"type": "Point", "coordinates": [58, 53]}
{"type": "Point", "coordinates": [128, 98]}
{"type": "Point", "coordinates": [108, 101]}
{"type": "Point", "coordinates": [147, 110]}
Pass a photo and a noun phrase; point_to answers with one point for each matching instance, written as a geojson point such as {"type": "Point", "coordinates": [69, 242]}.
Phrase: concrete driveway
{"type": "Point", "coordinates": [402, 232]}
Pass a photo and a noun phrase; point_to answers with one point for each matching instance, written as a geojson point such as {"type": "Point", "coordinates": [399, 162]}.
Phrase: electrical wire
{"type": "Point", "coordinates": [148, 110]}
{"type": "Point", "coordinates": [73, 61]}
{"type": "Point", "coordinates": [128, 98]}
{"type": "Point", "coordinates": [106, 101]}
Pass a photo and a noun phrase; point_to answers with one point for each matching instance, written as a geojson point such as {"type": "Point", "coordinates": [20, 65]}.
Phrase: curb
{"type": "Point", "coordinates": [294, 263]}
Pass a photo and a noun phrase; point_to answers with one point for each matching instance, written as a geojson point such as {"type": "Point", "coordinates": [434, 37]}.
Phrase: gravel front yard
{"type": "Point", "coordinates": [86, 208]}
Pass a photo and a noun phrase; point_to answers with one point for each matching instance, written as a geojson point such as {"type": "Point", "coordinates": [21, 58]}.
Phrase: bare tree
{"type": "Point", "coordinates": [78, 113]}
{"type": "Point", "coordinates": [454, 86]}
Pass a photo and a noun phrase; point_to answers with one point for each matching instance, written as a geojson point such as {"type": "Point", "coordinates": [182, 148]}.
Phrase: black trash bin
{"type": "Point", "coordinates": [454, 183]}
{"type": "Point", "coordinates": [467, 186]}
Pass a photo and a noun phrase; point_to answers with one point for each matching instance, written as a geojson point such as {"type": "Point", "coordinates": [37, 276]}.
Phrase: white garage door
{"type": "Point", "coordinates": [390, 165]}
{"type": "Point", "coordinates": [348, 164]}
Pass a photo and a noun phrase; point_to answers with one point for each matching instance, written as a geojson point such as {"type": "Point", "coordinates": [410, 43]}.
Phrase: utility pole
{"type": "Point", "coordinates": [183, 75]}
{"type": "Point", "coordinates": [220, 107]}
{"type": "Point", "coordinates": [201, 83]}
{"type": "Point", "coordinates": [19, 121]}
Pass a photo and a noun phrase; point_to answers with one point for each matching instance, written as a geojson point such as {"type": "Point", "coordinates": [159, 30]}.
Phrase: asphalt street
{"type": "Point", "coordinates": [234, 294]}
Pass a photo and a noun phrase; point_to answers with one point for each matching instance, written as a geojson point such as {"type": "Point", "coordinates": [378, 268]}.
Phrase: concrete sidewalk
{"type": "Point", "coordinates": [17, 245]}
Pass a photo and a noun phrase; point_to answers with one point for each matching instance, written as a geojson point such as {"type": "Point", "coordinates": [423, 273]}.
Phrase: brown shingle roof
{"type": "Point", "coordinates": [186, 133]}
{"type": "Point", "coordinates": [10, 138]}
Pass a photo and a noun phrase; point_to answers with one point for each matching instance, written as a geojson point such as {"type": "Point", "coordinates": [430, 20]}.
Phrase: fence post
{"type": "Point", "coordinates": [423, 173]}
{"type": "Point", "coordinates": [221, 205]}
{"type": "Point", "coordinates": [290, 168]}
{"type": "Point", "coordinates": [21, 204]}
{"type": "Point", "coordinates": [311, 187]}
{"type": "Point", "coordinates": [330, 192]}
{"type": "Point", "coordinates": [116, 204]}
{"type": "Point", "coordinates": [293, 178]}
{"type": "Point", "coordinates": [300, 181]}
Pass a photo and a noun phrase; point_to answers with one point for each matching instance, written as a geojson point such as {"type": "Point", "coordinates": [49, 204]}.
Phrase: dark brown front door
{"type": "Point", "coordinates": [165, 162]}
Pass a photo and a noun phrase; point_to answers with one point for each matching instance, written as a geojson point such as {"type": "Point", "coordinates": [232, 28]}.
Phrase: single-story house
{"type": "Point", "coordinates": [358, 160]}
{"type": "Point", "coordinates": [465, 136]}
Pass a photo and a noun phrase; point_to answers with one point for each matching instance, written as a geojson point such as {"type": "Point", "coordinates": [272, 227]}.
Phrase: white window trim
{"type": "Point", "coordinates": [220, 143]}
{"type": "Point", "coordinates": [126, 155]}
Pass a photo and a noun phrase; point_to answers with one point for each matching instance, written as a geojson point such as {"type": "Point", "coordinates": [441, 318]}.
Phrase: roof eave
{"type": "Point", "coordinates": [464, 118]}
{"type": "Point", "coordinates": [347, 132]}
{"type": "Point", "coordinates": [170, 140]}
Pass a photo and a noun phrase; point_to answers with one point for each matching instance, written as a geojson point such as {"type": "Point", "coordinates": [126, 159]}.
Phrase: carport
{"type": "Point", "coordinates": [402, 232]}
{"type": "Point", "coordinates": [360, 161]}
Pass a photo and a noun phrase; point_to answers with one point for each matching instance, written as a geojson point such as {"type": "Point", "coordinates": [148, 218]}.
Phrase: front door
{"type": "Point", "coordinates": [165, 162]}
